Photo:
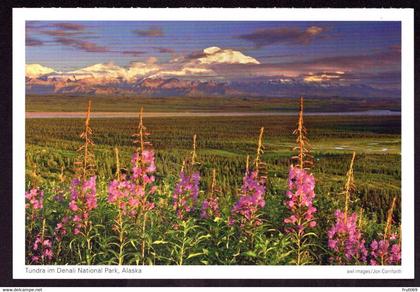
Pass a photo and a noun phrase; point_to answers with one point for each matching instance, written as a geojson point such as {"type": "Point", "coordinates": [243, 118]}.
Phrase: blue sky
{"type": "Point", "coordinates": [299, 47]}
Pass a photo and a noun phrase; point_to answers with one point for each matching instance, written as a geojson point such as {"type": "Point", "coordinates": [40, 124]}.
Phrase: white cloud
{"type": "Point", "coordinates": [200, 65]}
{"type": "Point", "coordinates": [140, 69]}
{"type": "Point", "coordinates": [36, 70]}
{"type": "Point", "coordinates": [323, 77]}
{"type": "Point", "coordinates": [109, 71]}
{"type": "Point", "coordinates": [101, 71]}
{"type": "Point", "coordinates": [185, 71]}
{"type": "Point", "coordinates": [216, 55]}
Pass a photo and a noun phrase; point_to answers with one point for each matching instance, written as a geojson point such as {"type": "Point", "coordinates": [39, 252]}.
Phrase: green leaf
{"type": "Point", "coordinates": [159, 242]}
{"type": "Point", "coordinates": [250, 253]}
{"type": "Point", "coordinates": [194, 255]}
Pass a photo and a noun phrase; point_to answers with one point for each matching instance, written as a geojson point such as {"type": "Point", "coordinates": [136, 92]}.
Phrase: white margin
{"type": "Point", "coordinates": [406, 16]}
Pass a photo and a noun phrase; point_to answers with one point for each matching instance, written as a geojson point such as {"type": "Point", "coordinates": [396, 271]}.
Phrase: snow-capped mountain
{"type": "Point", "coordinates": [206, 73]}
{"type": "Point", "coordinates": [37, 70]}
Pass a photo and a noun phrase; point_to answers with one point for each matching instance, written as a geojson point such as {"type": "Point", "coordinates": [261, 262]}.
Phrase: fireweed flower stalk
{"type": "Point", "coordinates": [83, 187]}
{"type": "Point", "coordinates": [35, 199]}
{"type": "Point", "coordinates": [210, 205]}
{"type": "Point", "coordinates": [260, 166]}
{"type": "Point", "coordinates": [210, 208]}
{"type": "Point", "coordinates": [82, 202]}
{"type": "Point", "coordinates": [299, 201]}
{"type": "Point", "coordinates": [185, 194]}
{"type": "Point", "coordinates": [251, 200]}
{"type": "Point", "coordinates": [143, 177]}
{"type": "Point", "coordinates": [60, 231]}
{"type": "Point", "coordinates": [121, 194]}
{"type": "Point", "coordinates": [41, 246]}
{"type": "Point", "coordinates": [303, 159]}
{"type": "Point", "coordinates": [143, 171]}
{"type": "Point", "coordinates": [42, 250]}
{"type": "Point", "coordinates": [85, 163]}
{"type": "Point", "coordinates": [82, 193]}
{"type": "Point", "coordinates": [129, 197]}
{"type": "Point", "coordinates": [133, 195]}
{"type": "Point", "coordinates": [387, 251]}
{"type": "Point", "coordinates": [34, 205]}
{"type": "Point", "coordinates": [300, 195]}
{"type": "Point", "coordinates": [345, 240]}
{"type": "Point", "coordinates": [186, 191]}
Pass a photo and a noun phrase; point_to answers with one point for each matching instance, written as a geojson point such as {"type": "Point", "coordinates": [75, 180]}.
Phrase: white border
{"type": "Point", "coordinates": [406, 16]}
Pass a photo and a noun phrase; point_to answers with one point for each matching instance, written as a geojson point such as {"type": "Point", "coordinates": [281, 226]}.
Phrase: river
{"type": "Point", "coordinates": [71, 115]}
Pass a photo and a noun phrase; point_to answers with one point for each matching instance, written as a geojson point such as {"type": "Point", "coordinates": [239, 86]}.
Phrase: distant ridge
{"type": "Point", "coordinates": [139, 79]}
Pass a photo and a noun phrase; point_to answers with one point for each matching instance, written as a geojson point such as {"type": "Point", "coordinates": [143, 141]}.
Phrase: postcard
{"type": "Point", "coordinates": [213, 143]}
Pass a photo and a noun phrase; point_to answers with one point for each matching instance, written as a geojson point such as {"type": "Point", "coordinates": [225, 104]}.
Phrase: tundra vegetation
{"type": "Point", "coordinates": [214, 191]}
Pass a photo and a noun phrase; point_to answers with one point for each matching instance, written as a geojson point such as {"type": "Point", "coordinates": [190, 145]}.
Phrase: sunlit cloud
{"type": "Point", "coordinates": [216, 55]}
{"type": "Point", "coordinates": [324, 77]}
{"type": "Point", "coordinates": [36, 70]}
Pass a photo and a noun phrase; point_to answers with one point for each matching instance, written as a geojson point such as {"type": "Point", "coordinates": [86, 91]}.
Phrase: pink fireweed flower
{"type": "Point", "coordinates": [42, 249]}
{"type": "Point", "coordinates": [82, 201]}
{"type": "Point", "coordinates": [131, 193]}
{"type": "Point", "coordinates": [144, 166]}
{"type": "Point", "coordinates": [118, 190]}
{"type": "Point", "coordinates": [345, 240]}
{"type": "Point", "coordinates": [395, 254]}
{"type": "Point", "coordinates": [385, 252]}
{"type": "Point", "coordinates": [210, 208]}
{"type": "Point", "coordinates": [73, 206]}
{"type": "Point", "coordinates": [35, 259]}
{"type": "Point", "coordinates": [83, 195]}
{"type": "Point", "coordinates": [48, 253]}
{"type": "Point", "coordinates": [299, 201]}
{"type": "Point", "coordinates": [185, 194]}
{"type": "Point", "coordinates": [37, 242]}
{"type": "Point", "coordinates": [124, 195]}
{"type": "Point", "coordinates": [77, 218]}
{"type": "Point", "coordinates": [35, 199]}
{"type": "Point", "coordinates": [47, 243]}
{"type": "Point", "coordinates": [60, 229]}
{"type": "Point", "coordinates": [89, 189]}
{"type": "Point", "coordinates": [251, 200]}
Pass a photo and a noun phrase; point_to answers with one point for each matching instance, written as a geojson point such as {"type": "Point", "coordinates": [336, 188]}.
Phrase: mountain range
{"type": "Point", "coordinates": [142, 79]}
